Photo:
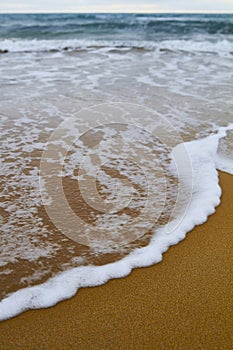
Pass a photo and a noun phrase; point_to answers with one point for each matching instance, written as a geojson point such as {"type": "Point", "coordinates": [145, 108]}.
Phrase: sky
{"type": "Point", "coordinates": [151, 6]}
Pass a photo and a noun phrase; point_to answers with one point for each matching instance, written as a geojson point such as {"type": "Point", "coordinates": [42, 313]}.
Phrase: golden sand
{"type": "Point", "coordinates": [182, 303]}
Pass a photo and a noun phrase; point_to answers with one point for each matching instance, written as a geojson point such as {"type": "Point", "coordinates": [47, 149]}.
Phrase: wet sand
{"type": "Point", "coordinates": [182, 303]}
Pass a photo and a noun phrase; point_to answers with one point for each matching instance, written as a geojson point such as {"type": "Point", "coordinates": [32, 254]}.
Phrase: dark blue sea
{"type": "Point", "coordinates": [111, 29]}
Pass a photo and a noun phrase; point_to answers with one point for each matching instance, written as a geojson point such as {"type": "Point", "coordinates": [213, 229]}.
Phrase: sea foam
{"type": "Point", "coordinates": [224, 164]}
{"type": "Point", "coordinates": [205, 197]}
{"type": "Point", "coordinates": [220, 46]}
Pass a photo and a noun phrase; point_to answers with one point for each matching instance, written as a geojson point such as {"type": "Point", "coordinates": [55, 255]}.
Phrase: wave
{"type": "Point", "coordinates": [205, 197]}
{"type": "Point", "coordinates": [222, 46]}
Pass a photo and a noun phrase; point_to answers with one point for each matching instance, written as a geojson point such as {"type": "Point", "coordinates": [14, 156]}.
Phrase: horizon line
{"type": "Point", "coordinates": [117, 12]}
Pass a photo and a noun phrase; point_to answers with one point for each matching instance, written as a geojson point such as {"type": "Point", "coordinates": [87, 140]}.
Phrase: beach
{"type": "Point", "coordinates": [113, 130]}
{"type": "Point", "coordinates": [182, 303]}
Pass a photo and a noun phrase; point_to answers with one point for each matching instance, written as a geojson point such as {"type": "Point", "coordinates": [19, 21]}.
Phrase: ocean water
{"type": "Point", "coordinates": [112, 131]}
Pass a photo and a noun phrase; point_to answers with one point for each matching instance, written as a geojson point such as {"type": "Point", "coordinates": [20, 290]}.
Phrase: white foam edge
{"type": "Point", "coordinates": [224, 164]}
{"type": "Point", "coordinates": [221, 46]}
{"type": "Point", "coordinates": [205, 198]}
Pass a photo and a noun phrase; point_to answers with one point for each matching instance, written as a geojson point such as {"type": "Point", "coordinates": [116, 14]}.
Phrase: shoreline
{"type": "Point", "coordinates": [184, 302]}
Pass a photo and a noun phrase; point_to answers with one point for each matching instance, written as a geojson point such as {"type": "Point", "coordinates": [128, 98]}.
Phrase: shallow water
{"type": "Point", "coordinates": [89, 125]}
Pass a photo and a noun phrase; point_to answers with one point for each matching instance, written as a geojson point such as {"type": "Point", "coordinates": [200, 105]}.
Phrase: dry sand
{"type": "Point", "coordinates": [182, 303]}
